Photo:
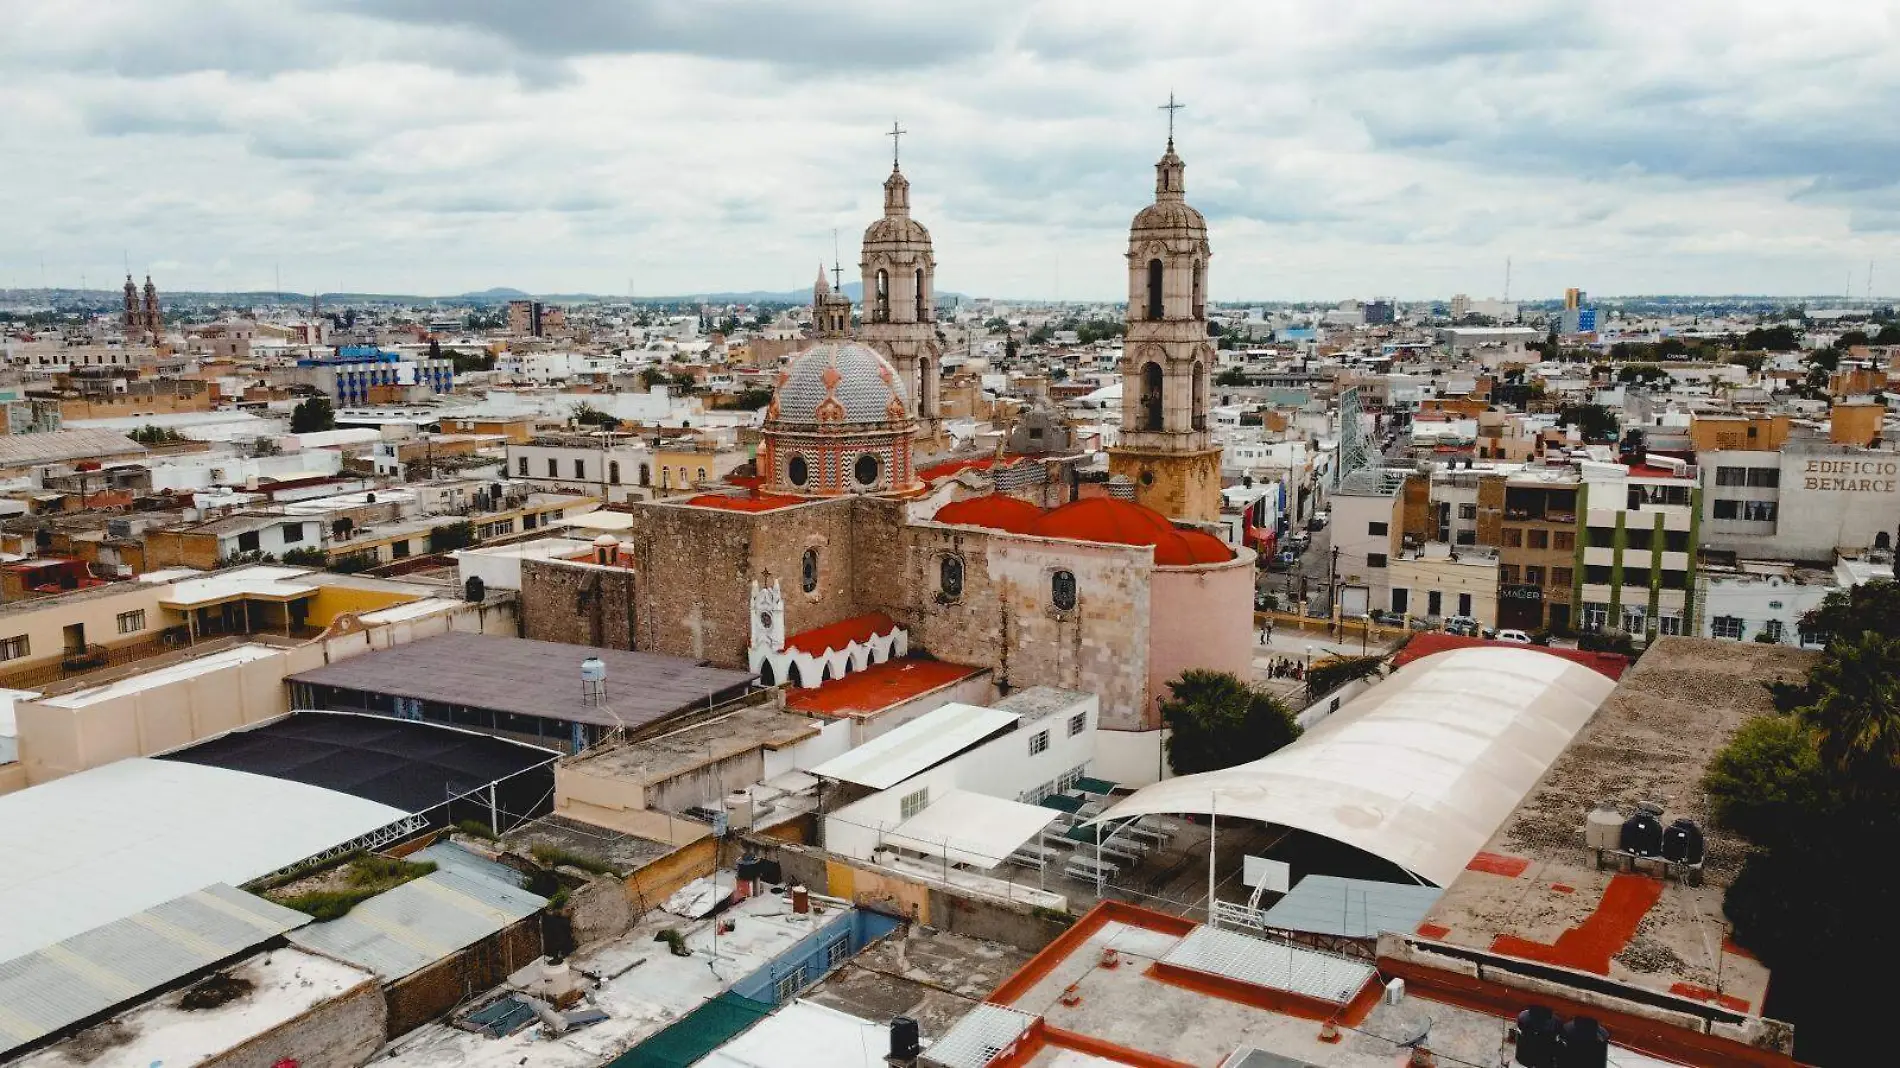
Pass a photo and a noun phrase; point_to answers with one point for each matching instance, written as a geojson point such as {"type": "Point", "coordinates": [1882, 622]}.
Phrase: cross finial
{"type": "Point", "coordinates": [1171, 107]}
{"type": "Point", "coordinates": [896, 132]}
{"type": "Point", "coordinates": [837, 271]}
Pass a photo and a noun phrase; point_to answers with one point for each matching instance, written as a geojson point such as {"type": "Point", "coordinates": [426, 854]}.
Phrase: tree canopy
{"type": "Point", "coordinates": [1594, 421]}
{"type": "Point", "coordinates": [313, 416]}
{"type": "Point", "coordinates": [1772, 338]}
{"type": "Point", "coordinates": [1218, 721]}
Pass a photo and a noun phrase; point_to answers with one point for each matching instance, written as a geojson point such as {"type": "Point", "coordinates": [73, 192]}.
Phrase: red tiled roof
{"type": "Point", "coordinates": [951, 467]}
{"type": "Point", "coordinates": [749, 502]}
{"type": "Point", "coordinates": [840, 634]}
{"type": "Point", "coordinates": [877, 687]}
{"type": "Point", "coordinates": [998, 511]}
{"type": "Point", "coordinates": [1609, 665]}
{"type": "Point", "coordinates": [1118, 522]}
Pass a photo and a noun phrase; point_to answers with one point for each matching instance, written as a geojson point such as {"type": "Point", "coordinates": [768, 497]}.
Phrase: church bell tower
{"type": "Point", "coordinates": [900, 294]}
{"type": "Point", "coordinates": [1164, 447]}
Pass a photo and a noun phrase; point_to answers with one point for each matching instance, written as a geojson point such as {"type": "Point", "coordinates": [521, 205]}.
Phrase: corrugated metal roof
{"type": "Point", "coordinates": [923, 743]}
{"type": "Point", "coordinates": [531, 678]}
{"type": "Point", "coordinates": [54, 446]}
{"type": "Point", "coordinates": [420, 922]}
{"type": "Point", "coordinates": [1355, 908]}
{"type": "Point", "coordinates": [89, 973]}
{"type": "Point", "coordinates": [1276, 965]}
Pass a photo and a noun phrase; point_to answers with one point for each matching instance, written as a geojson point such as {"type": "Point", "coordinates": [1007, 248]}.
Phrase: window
{"type": "Point", "coordinates": [1637, 538]}
{"type": "Point", "coordinates": [1593, 617]}
{"type": "Point", "coordinates": [1467, 511]}
{"type": "Point", "coordinates": [1154, 289]}
{"type": "Point", "coordinates": [914, 803]}
{"type": "Point", "coordinates": [646, 475]}
{"type": "Point", "coordinates": [1375, 528]}
{"type": "Point", "coordinates": [1636, 618]}
{"type": "Point", "coordinates": [1467, 537]}
{"type": "Point", "coordinates": [247, 542]}
{"type": "Point", "coordinates": [1727, 627]}
{"type": "Point", "coordinates": [1563, 540]}
{"type": "Point", "coordinates": [1401, 599]}
{"type": "Point", "coordinates": [1067, 780]}
{"type": "Point", "coordinates": [1731, 476]}
{"type": "Point", "coordinates": [13, 648]}
{"type": "Point", "coordinates": [787, 986]}
{"type": "Point", "coordinates": [1078, 723]}
{"type": "Point", "coordinates": [1765, 477]}
{"type": "Point", "coordinates": [580, 469]}
{"type": "Point", "coordinates": [1533, 575]}
{"type": "Point", "coordinates": [1513, 538]}
{"type": "Point", "coordinates": [554, 468]}
{"type": "Point", "coordinates": [1636, 576]}
{"type": "Point", "coordinates": [1434, 603]}
{"type": "Point", "coordinates": [796, 471]}
{"type": "Point", "coordinates": [1774, 629]}
{"type": "Point", "coordinates": [1668, 624]}
{"type": "Point", "coordinates": [666, 478]}
{"type": "Point", "coordinates": [613, 472]}
{"type": "Point", "coordinates": [1507, 573]}
{"type": "Point", "coordinates": [836, 952]}
{"type": "Point", "coordinates": [702, 474]}
{"type": "Point", "coordinates": [1537, 539]}
{"type": "Point", "coordinates": [1561, 577]}
{"type": "Point", "coordinates": [1375, 559]}
{"type": "Point", "coordinates": [1038, 742]}
{"type": "Point", "coordinates": [923, 300]}
{"type": "Point", "coordinates": [866, 470]}
{"type": "Point", "coordinates": [399, 550]}
{"type": "Point", "coordinates": [881, 310]}
{"type": "Point", "coordinates": [1464, 604]}
{"type": "Point", "coordinates": [1062, 590]}
{"type": "Point", "coordinates": [683, 482]}
{"type": "Point", "coordinates": [950, 576]}
{"type": "Point", "coordinates": [1596, 574]}
{"type": "Point", "coordinates": [521, 466]}
{"type": "Point", "coordinates": [1758, 511]}
{"type": "Point", "coordinates": [808, 571]}
{"type": "Point", "coordinates": [132, 622]}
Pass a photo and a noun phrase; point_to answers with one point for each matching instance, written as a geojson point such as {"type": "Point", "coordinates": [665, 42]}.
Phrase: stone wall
{"type": "Point", "coordinates": [416, 999]}
{"type": "Point", "coordinates": [578, 603]}
{"type": "Point", "coordinates": [342, 1033]}
{"type": "Point", "coordinates": [599, 910]}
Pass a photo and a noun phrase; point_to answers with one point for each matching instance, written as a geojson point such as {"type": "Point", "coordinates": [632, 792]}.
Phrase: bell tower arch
{"type": "Point", "coordinates": [900, 291]}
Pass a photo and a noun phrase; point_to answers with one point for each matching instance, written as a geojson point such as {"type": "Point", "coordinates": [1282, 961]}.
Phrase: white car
{"type": "Point", "coordinates": [1515, 637]}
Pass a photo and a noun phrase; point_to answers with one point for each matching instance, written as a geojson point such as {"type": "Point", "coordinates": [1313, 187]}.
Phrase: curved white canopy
{"type": "Point", "coordinates": [1420, 770]}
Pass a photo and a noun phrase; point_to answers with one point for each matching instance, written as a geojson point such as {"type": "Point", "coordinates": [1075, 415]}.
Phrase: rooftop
{"type": "Point", "coordinates": [878, 687]}
{"type": "Point", "coordinates": [924, 742]}
{"type": "Point", "coordinates": [931, 976]}
{"type": "Point", "coordinates": [532, 678]}
{"type": "Point", "coordinates": [57, 446]}
{"type": "Point", "coordinates": [1535, 893]}
{"type": "Point", "coordinates": [760, 726]}
{"type": "Point", "coordinates": [1425, 643]}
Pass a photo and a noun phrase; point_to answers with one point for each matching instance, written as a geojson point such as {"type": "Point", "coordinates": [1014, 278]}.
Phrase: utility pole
{"type": "Point", "coordinates": [1332, 585]}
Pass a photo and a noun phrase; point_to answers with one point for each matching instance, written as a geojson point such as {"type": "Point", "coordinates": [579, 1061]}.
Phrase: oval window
{"type": "Point", "coordinates": [1062, 590]}
{"type": "Point", "coordinates": [867, 469]}
{"type": "Point", "coordinates": [950, 576]}
{"type": "Point", "coordinates": [809, 573]}
{"type": "Point", "coordinates": [796, 472]}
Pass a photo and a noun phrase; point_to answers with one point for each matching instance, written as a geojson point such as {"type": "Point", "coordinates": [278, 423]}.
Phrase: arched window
{"type": "Point", "coordinates": [1154, 289]}
{"type": "Point", "coordinates": [923, 316]}
{"type": "Point", "coordinates": [1151, 412]}
{"type": "Point", "coordinates": [646, 475]}
{"type": "Point", "coordinates": [926, 389]}
{"type": "Point", "coordinates": [666, 478]}
{"type": "Point", "coordinates": [797, 471]}
{"type": "Point", "coordinates": [881, 311]}
{"type": "Point", "coordinates": [808, 571]}
{"type": "Point", "coordinates": [1200, 289]}
{"type": "Point", "coordinates": [867, 469]}
{"type": "Point", "coordinates": [702, 475]}
{"type": "Point", "coordinates": [1882, 541]}
{"type": "Point", "coordinates": [1062, 590]}
{"type": "Point", "coordinates": [1200, 395]}
{"type": "Point", "coordinates": [613, 472]}
{"type": "Point", "coordinates": [950, 576]}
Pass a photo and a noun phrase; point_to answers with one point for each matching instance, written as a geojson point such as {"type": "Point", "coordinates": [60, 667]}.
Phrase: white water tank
{"type": "Point", "coordinates": [739, 813]}
{"type": "Point", "coordinates": [1603, 828]}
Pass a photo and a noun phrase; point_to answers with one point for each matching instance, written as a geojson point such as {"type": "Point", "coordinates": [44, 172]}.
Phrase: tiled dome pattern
{"type": "Point", "coordinates": [835, 383]}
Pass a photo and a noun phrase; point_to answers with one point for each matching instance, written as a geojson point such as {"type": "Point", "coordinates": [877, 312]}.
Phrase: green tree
{"type": "Point", "coordinates": [1218, 721]}
{"type": "Point", "coordinates": [1888, 335]}
{"type": "Point", "coordinates": [996, 324]}
{"type": "Point", "coordinates": [1594, 421]}
{"type": "Point", "coordinates": [586, 414]}
{"type": "Point", "coordinates": [1009, 348]}
{"type": "Point", "coordinates": [652, 376]}
{"type": "Point", "coordinates": [1772, 339]}
{"type": "Point", "coordinates": [1231, 376]}
{"type": "Point", "coordinates": [1849, 613]}
{"type": "Point", "coordinates": [1767, 779]}
{"type": "Point", "coordinates": [1856, 709]}
{"type": "Point", "coordinates": [313, 416]}
{"type": "Point", "coordinates": [753, 398]}
{"type": "Point", "coordinates": [451, 536]}
{"type": "Point", "coordinates": [1851, 338]}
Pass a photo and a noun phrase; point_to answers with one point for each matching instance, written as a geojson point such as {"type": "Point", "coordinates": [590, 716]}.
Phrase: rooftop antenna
{"type": "Point", "coordinates": [895, 133]}
{"type": "Point", "coordinates": [1507, 279]}
{"type": "Point", "coordinates": [1171, 107]}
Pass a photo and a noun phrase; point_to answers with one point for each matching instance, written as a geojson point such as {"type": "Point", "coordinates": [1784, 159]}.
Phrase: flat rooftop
{"type": "Point", "coordinates": [532, 678]}
{"type": "Point", "coordinates": [931, 976]}
{"type": "Point", "coordinates": [675, 753]}
{"type": "Point", "coordinates": [1535, 893]}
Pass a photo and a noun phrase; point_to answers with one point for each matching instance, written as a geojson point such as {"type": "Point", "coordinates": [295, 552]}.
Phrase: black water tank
{"type": "Point", "coordinates": [1683, 843]}
{"type": "Point", "coordinates": [748, 867]}
{"type": "Point", "coordinates": [1537, 1038]}
{"type": "Point", "coordinates": [474, 590]}
{"type": "Point", "coordinates": [769, 872]}
{"type": "Point", "coordinates": [1642, 835]}
{"type": "Point", "coordinates": [904, 1043]}
{"type": "Point", "coordinates": [1585, 1044]}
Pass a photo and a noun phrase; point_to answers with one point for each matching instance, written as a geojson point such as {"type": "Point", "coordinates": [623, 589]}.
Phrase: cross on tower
{"type": "Point", "coordinates": [895, 133]}
{"type": "Point", "coordinates": [1171, 107]}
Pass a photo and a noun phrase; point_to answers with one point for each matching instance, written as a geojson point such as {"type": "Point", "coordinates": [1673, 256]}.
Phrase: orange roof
{"type": "Point", "coordinates": [877, 687]}
{"type": "Point", "coordinates": [951, 467]}
{"type": "Point", "coordinates": [1425, 643]}
{"type": "Point", "coordinates": [1118, 522]}
{"type": "Point", "coordinates": [998, 511]}
{"type": "Point", "coordinates": [840, 634]}
{"type": "Point", "coordinates": [749, 502]}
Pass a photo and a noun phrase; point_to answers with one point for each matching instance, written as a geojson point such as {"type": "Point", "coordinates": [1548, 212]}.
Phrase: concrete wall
{"type": "Point", "coordinates": [342, 1033]}
{"type": "Point", "coordinates": [599, 910]}
{"type": "Point", "coordinates": [416, 999]}
{"type": "Point", "coordinates": [44, 624]}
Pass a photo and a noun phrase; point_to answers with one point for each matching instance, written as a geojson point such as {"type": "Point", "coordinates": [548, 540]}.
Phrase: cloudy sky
{"type": "Point", "coordinates": [1339, 148]}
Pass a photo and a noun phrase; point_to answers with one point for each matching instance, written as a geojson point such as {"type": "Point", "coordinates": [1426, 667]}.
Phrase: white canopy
{"type": "Point", "coordinates": [971, 828]}
{"type": "Point", "coordinates": [1420, 770]}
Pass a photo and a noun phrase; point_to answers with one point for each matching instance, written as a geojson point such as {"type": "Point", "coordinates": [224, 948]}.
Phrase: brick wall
{"type": "Point", "coordinates": [342, 1033]}
{"type": "Point", "coordinates": [416, 999]}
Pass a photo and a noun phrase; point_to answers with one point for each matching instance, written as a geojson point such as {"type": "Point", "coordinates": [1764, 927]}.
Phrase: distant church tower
{"type": "Point", "coordinates": [153, 324]}
{"type": "Point", "coordinates": [830, 310]}
{"type": "Point", "coordinates": [900, 290]}
{"type": "Point", "coordinates": [1167, 357]}
{"type": "Point", "coordinates": [131, 308]}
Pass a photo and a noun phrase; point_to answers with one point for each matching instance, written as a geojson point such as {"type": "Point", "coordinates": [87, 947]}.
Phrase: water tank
{"type": "Point", "coordinates": [1603, 827]}
{"type": "Point", "coordinates": [1537, 1038]}
{"type": "Point", "coordinates": [904, 1039]}
{"type": "Point", "coordinates": [1642, 835]}
{"type": "Point", "coordinates": [474, 590]}
{"type": "Point", "coordinates": [738, 810]}
{"type": "Point", "coordinates": [593, 669]}
{"type": "Point", "coordinates": [1585, 1044]}
{"type": "Point", "coordinates": [1683, 843]}
{"type": "Point", "coordinates": [748, 867]}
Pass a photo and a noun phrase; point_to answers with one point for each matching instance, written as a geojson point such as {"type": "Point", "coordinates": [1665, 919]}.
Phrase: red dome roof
{"type": "Point", "coordinates": [998, 511]}
{"type": "Point", "coordinates": [1105, 519]}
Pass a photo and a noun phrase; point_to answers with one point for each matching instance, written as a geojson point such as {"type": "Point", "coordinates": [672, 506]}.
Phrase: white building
{"type": "Point", "coordinates": [614, 467]}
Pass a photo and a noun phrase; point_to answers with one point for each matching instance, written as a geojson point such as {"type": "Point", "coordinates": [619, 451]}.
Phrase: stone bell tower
{"type": "Point", "coordinates": [900, 292]}
{"type": "Point", "coordinates": [1164, 447]}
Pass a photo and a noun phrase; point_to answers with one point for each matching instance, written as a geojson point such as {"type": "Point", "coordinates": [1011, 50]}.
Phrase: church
{"type": "Point", "coordinates": [847, 553]}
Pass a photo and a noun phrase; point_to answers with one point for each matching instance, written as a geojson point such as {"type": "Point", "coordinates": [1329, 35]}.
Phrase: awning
{"type": "Point", "coordinates": [970, 828]}
{"type": "Point", "coordinates": [923, 743]}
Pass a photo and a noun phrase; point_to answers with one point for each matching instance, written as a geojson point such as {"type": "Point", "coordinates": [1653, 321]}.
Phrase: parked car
{"type": "Point", "coordinates": [1319, 520]}
{"type": "Point", "coordinates": [1462, 625]}
{"type": "Point", "coordinates": [1515, 637]}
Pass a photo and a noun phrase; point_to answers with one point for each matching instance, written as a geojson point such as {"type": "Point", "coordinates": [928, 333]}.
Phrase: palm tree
{"type": "Point", "coordinates": [1856, 708]}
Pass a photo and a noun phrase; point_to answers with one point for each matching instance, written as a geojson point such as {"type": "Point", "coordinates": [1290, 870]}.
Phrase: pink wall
{"type": "Point", "coordinates": [1199, 617]}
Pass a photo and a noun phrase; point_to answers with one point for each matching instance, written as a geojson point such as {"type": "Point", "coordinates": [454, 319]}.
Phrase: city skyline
{"type": "Point", "coordinates": [445, 148]}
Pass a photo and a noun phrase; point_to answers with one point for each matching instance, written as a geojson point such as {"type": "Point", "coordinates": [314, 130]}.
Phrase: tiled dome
{"type": "Point", "coordinates": [834, 383]}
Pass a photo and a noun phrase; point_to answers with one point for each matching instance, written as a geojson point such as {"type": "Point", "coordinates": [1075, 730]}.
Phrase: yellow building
{"type": "Point", "coordinates": [1764, 433]}
{"type": "Point", "coordinates": [1438, 583]}
{"type": "Point", "coordinates": [681, 467]}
